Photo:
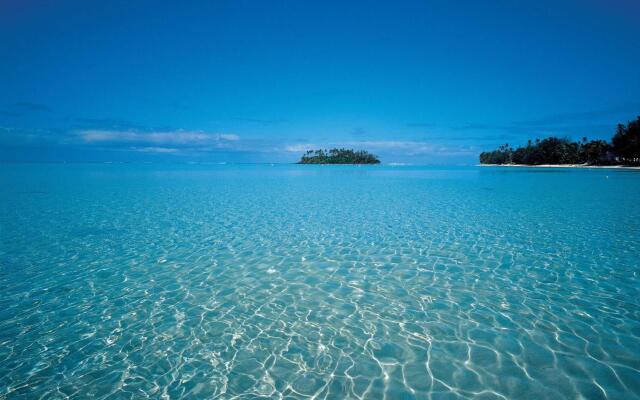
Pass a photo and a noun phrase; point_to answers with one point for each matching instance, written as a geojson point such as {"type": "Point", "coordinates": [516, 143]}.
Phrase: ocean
{"type": "Point", "coordinates": [128, 281]}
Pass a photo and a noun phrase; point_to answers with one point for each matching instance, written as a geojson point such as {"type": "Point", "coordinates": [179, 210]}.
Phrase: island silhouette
{"type": "Point", "coordinates": [623, 150]}
{"type": "Point", "coordinates": [338, 156]}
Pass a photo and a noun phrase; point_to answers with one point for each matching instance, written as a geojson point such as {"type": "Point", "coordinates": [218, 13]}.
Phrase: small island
{"type": "Point", "coordinates": [623, 150]}
{"type": "Point", "coordinates": [338, 156]}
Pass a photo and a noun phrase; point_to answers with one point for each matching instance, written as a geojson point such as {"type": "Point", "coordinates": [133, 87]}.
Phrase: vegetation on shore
{"type": "Point", "coordinates": [338, 156]}
{"type": "Point", "coordinates": [624, 149]}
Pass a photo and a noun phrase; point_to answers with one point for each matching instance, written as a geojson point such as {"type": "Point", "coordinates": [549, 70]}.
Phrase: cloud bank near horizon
{"type": "Point", "coordinates": [398, 147]}
{"type": "Point", "coordinates": [189, 143]}
{"type": "Point", "coordinates": [100, 139]}
{"type": "Point", "coordinates": [177, 141]}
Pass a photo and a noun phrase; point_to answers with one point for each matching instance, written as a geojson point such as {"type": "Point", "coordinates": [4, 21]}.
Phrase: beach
{"type": "Point", "coordinates": [562, 166]}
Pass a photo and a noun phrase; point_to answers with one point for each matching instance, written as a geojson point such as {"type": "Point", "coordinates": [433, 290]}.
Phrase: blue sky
{"type": "Point", "coordinates": [431, 82]}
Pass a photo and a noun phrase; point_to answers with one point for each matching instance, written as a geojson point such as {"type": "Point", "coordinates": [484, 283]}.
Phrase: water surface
{"type": "Point", "coordinates": [241, 281]}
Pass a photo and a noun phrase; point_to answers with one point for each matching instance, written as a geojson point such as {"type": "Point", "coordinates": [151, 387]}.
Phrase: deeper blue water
{"type": "Point", "coordinates": [285, 281]}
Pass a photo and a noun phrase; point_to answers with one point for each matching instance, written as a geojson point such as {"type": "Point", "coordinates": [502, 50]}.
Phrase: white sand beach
{"type": "Point", "coordinates": [562, 166]}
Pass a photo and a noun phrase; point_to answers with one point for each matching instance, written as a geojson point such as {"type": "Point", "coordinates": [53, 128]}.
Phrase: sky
{"type": "Point", "coordinates": [424, 82]}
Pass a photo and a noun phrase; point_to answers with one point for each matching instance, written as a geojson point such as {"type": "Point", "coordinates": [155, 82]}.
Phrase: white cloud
{"type": "Point", "coordinates": [400, 147]}
{"type": "Point", "coordinates": [154, 149]}
{"type": "Point", "coordinates": [407, 147]}
{"type": "Point", "coordinates": [229, 136]}
{"type": "Point", "coordinates": [410, 147]}
{"type": "Point", "coordinates": [299, 147]}
{"type": "Point", "coordinates": [158, 141]}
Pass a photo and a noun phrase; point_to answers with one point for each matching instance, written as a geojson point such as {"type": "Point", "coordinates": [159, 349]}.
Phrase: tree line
{"type": "Point", "coordinates": [624, 149]}
{"type": "Point", "coordinates": [338, 156]}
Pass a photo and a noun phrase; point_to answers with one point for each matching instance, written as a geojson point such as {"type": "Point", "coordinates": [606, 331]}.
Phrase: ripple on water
{"type": "Point", "coordinates": [237, 282]}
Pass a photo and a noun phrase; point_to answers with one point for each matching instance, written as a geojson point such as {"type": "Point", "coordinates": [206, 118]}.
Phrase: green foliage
{"type": "Point", "coordinates": [338, 156]}
{"type": "Point", "coordinates": [503, 155]}
{"type": "Point", "coordinates": [597, 152]}
{"type": "Point", "coordinates": [625, 149]}
{"type": "Point", "coordinates": [626, 142]}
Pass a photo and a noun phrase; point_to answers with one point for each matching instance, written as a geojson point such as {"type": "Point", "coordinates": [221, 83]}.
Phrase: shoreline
{"type": "Point", "coordinates": [561, 166]}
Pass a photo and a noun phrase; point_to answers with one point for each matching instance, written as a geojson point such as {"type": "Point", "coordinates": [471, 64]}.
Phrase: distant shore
{"type": "Point", "coordinates": [561, 166]}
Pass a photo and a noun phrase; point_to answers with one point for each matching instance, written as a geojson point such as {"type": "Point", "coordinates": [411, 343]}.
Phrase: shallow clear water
{"type": "Point", "coordinates": [201, 281]}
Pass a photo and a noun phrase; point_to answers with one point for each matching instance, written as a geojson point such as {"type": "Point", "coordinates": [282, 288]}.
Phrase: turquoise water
{"type": "Point", "coordinates": [206, 281]}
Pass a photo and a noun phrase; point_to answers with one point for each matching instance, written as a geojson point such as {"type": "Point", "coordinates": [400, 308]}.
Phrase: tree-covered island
{"type": "Point", "coordinates": [338, 156]}
{"type": "Point", "coordinates": [624, 149]}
